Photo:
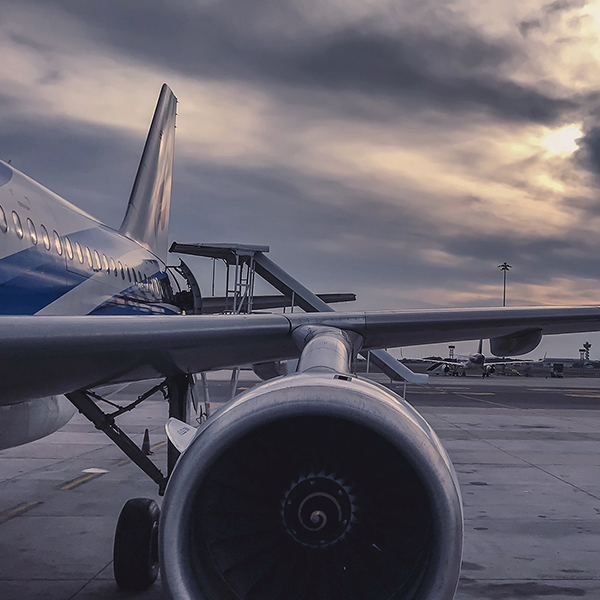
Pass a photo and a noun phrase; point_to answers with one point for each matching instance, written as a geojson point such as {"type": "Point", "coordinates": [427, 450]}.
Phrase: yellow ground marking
{"type": "Point", "coordinates": [592, 395]}
{"type": "Point", "coordinates": [16, 511]}
{"type": "Point", "coordinates": [69, 485]}
{"type": "Point", "coordinates": [480, 393]}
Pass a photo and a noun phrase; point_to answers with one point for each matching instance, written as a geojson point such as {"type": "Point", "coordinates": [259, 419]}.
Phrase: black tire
{"type": "Point", "coordinates": [135, 552]}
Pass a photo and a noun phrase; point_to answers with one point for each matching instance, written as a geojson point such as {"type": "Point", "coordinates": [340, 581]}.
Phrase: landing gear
{"type": "Point", "coordinates": [135, 552]}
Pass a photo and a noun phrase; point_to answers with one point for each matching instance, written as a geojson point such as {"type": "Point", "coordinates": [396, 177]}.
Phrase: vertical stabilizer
{"type": "Point", "coordinates": [147, 216]}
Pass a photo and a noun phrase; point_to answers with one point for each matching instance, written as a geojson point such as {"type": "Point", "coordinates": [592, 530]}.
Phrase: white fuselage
{"type": "Point", "coordinates": [57, 260]}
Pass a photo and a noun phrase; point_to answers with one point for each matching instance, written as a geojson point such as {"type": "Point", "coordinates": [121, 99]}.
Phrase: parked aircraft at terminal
{"type": "Point", "coordinates": [476, 362]}
{"type": "Point", "coordinates": [318, 480]}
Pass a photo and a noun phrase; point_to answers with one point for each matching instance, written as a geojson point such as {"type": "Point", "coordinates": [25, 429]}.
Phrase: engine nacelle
{"type": "Point", "coordinates": [311, 486]}
{"type": "Point", "coordinates": [520, 342]}
{"type": "Point", "coordinates": [29, 421]}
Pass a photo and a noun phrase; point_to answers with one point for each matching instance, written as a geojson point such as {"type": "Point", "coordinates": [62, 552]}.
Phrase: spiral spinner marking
{"type": "Point", "coordinates": [318, 509]}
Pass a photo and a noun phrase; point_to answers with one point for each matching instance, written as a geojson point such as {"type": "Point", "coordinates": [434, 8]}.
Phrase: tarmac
{"type": "Point", "coordinates": [526, 451]}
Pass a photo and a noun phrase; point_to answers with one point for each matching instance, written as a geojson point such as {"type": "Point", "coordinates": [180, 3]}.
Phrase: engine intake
{"type": "Point", "coordinates": [312, 486]}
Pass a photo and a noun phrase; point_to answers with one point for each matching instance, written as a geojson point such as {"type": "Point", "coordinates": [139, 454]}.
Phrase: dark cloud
{"type": "Point", "coordinates": [526, 26]}
{"type": "Point", "coordinates": [370, 240]}
{"type": "Point", "coordinates": [546, 13]}
{"type": "Point", "coordinates": [359, 245]}
{"type": "Point", "coordinates": [562, 6]}
{"type": "Point", "coordinates": [590, 208]}
{"type": "Point", "coordinates": [454, 69]}
{"type": "Point", "coordinates": [91, 166]}
{"type": "Point", "coordinates": [535, 260]}
{"type": "Point", "coordinates": [431, 70]}
{"type": "Point", "coordinates": [588, 154]}
{"type": "Point", "coordinates": [330, 235]}
{"type": "Point", "coordinates": [28, 41]}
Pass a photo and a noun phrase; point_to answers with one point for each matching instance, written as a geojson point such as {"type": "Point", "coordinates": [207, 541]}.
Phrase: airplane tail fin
{"type": "Point", "coordinates": [147, 217]}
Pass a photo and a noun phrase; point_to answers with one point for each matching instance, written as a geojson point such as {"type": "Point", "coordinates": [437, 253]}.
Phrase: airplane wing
{"type": "Point", "coordinates": [517, 362]}
{"type": "Point", "coordinates": [452, 363]}
{"type": "Point", "coordinates": [41, 356]}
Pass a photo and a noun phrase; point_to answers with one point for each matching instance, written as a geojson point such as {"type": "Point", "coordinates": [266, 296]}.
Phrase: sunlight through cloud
{"type": "Point", "coordinates": [563, 141]}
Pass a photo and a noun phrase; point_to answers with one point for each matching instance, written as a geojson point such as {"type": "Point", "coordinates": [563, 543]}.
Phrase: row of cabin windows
{"type": "Point", "coordinates": [84, 255]}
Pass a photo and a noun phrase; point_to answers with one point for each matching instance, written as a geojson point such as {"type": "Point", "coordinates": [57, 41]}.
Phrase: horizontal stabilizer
{"type": "Point", "coordinates": [220, 304]}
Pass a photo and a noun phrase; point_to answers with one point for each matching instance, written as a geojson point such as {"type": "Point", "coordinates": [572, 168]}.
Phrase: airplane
{"type": "Point", "coordinates": [459, 365]}
{"type": "Point", "coordinates": [319, 483]}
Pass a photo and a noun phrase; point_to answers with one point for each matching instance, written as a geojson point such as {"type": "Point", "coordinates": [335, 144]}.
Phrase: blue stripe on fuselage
{"type": "Point", "coordinates": [33, 278]}
{"type": "Point", "coordinates": [140, 299]}
{"type": "Point", "coordinates": [128, 308]}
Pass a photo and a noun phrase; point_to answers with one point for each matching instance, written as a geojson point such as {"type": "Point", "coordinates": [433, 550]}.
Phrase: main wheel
{"type": "Point", "coordinates": [135, 552]}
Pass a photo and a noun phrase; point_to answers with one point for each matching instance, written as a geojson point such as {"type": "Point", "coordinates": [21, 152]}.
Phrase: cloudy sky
{"type": "Point", "coordinates": [399, 149]}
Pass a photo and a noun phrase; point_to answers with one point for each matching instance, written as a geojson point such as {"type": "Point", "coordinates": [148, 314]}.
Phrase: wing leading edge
{"type": "Point", "coordinates": [41, 356]}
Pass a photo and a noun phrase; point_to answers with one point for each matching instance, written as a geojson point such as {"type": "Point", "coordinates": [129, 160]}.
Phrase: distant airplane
{"type": "Point", "coordinates": [318, 483]}
{"type": "Point", "coordinates": [477, 362]}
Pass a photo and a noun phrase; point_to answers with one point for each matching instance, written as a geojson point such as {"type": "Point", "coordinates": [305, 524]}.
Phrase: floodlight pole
{"type": "Point", "coordinates": [504, 267]}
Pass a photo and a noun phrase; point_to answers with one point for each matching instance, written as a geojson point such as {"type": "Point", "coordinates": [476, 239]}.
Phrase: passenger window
{"type": "Point", "coordinates": [45, 237]}
{"type": "Point", "coordinates": [128, 272]}
{"type": "Point", "coordinates": [121, 269]}
{"type": "Point", "coordinates": [134, 276]}
{"type": "Point", "coordinates": [79, 252]}
{"type": "Point", "coordinates": [32, 232]}
{"type": "Point", "coordinates": [57, 243]}
{"type": "Point", "coordinates": [3, 223]}
{"type": "Point", "coordinates": [97, 266]}
{"type": "Point", "coordinates": [69, 248]}
{"type": "Point", "coordinates": [88, 255]}
{"type": "Point", "coordinates": [113, 267]}
{"type": "Point", "coordinates": [18, 226]}
{"type": "Point", "coordinates": [105, 263]}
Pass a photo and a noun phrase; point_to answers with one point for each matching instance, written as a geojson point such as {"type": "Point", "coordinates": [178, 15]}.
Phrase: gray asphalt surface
{"type": "Point", "coordinates": [526, 450]}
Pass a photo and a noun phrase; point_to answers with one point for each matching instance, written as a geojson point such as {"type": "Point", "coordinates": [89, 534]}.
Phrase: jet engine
{"type": "Point", "coordinates": [489, 370]}
{"type": "Point", "coordinates": [25, 422]}
{"type": "Point", "coordinates": [315, 485]}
